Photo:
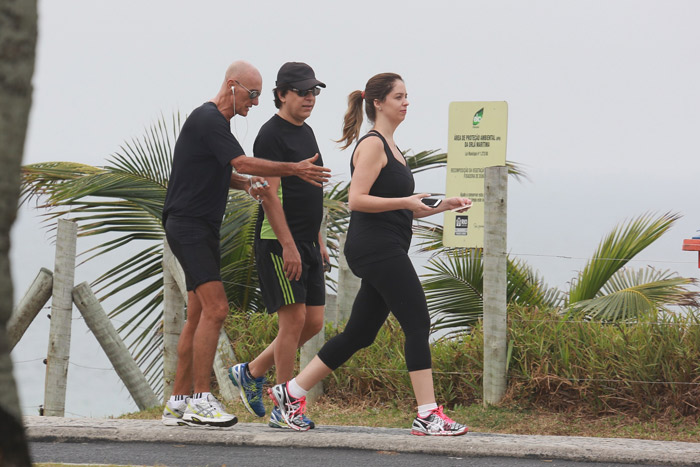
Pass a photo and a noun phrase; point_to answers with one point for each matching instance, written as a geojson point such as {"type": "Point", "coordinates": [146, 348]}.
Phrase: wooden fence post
{"type": "Point", "coordinates": [125, 366]}
{"type": "Point", "coordinates": [223, 359]}
{"type": "Point", "coordinates": [33, 301]}
{"type": "Point", "coordinates": [173, 321]}
{"type": "Point", "coordinates": [495, 271]}
{"type": "Point", "coordinates": [348, 285]}
{"type": "Point", "coordinates": [313, 345]}
{"type": "Point", "coordinates": [61, 314]}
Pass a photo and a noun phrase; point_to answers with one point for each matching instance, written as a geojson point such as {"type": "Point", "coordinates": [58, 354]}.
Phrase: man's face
{"type": "Point", "coordinates": [296, 108]}
{"type": "Point", "coordinates": [244, 88]}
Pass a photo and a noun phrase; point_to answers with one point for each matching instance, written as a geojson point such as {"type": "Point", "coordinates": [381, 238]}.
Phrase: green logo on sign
{"type": "Point", "coordinates": [478, 116]}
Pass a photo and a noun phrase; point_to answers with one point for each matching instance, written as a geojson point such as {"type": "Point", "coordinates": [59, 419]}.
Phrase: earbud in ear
{"type": "Point", "coordinates": [232, 87]}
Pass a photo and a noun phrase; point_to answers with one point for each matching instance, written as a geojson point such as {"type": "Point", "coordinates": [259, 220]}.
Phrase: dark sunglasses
{"type": "Point", "coordinates": [251, 94]}
{"type": "Point", "coordinates": [315, 91]}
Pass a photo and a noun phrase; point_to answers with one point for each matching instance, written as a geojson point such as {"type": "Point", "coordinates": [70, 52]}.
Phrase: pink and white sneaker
{"type": "Point", "coordinates": [437, 424]}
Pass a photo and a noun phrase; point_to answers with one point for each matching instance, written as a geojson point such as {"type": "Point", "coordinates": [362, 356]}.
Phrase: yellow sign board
{"type": "Point", "coordinates": [477, 139]}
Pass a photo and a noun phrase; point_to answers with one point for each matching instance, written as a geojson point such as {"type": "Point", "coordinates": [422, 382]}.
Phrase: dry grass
{"type": "Point", "coordinates": [507, 419]}
{"type": "Point", "coordinates": [515, 420]}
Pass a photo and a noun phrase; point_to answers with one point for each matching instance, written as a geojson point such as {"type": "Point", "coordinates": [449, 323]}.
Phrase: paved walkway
{"type": "Point", "coordinates": [378, 439]}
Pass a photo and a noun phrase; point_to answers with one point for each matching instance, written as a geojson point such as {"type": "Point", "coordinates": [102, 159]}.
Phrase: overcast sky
{"type": "Point", "coordinates": [603, 111]}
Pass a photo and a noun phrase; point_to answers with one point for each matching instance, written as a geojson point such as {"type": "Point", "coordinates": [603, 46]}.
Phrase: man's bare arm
{"type": "Point", "coordinates": [306, 169]}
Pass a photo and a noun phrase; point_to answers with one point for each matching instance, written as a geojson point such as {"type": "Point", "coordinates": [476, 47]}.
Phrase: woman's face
{"type": "Point", "coordinates": [395, 103]}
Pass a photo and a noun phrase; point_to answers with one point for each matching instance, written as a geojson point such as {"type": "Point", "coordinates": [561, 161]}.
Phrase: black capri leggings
{"type": "Point", "coordinates": [389, 285]}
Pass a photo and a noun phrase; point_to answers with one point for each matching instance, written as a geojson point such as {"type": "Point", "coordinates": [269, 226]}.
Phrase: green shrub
{"type": "Point", "coordinates": [636, 368]}
{"type": "Point", "coordinates": [645, 368]}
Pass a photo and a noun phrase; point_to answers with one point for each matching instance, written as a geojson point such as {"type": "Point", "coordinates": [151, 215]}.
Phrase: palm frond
{"type": "Point", "coordinates": [41, 179]}
{"type": "Point", "coordinates": [150, 157]}
{"type": "Point", "coordinates": [526, 287]}
{"type": "Point", "coordinates": [630, 294]}
{"type": "Point", "coordinates": [428, 237]}
{"type": "Point", "coordinates": [454, 290]}
{"type": "Point", "coordinates": [616, 249]}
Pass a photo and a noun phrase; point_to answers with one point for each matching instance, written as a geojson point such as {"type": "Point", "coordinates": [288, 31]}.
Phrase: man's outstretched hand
{"type": "Point", "coordinates": [312, 173]}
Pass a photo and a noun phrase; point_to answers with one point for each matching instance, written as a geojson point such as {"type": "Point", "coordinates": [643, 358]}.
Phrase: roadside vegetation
{"type": "Point", "coordinates": [565, 378]}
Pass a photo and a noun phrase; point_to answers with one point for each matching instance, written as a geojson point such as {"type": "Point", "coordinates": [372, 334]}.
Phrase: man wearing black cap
{"type": "Point", "coordinates": [204, 157]}
{"type": "Point", "coordinates": [289, 250]}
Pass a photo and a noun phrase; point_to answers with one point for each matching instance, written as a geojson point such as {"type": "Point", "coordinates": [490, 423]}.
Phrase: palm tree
{"type": "Point", "coordinates": [604, 290]}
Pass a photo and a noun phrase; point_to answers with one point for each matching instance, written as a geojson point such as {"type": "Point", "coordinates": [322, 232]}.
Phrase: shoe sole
{"type": "Point", "coordinates": [205, 421]}
{"type": "Point", "coordinates": [283, 425]}
{"type": "Point", "coordinates": [278, 425]}
{"type": "Point", "coordinates": [176, 422]}
{"type": "Point", "coordinates": [277, 403]}
{"type": "Point", "coordinates": [447, 433]}
{"type": "Point", "coordinates": [241, 393]}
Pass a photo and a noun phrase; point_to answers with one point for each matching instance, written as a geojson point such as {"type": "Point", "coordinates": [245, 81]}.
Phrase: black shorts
{"type": "Point", "coordinates": [196, 245]}
{"type": "Point", "coordinates": [277, 290]}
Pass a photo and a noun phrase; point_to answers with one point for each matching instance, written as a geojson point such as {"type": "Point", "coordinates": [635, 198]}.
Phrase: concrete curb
{"type": "Point", "coordinates": [377, 439]}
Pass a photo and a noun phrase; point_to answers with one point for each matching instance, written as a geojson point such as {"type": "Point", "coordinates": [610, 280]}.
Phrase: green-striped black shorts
{"type": "Point", "coordinates": [277, 290]}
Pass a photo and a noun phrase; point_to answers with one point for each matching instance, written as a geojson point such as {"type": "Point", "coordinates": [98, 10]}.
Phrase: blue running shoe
{"type": "Point", "coordinates": [277, 421]}
{"type": "Point", "coordinates": [249, 388]}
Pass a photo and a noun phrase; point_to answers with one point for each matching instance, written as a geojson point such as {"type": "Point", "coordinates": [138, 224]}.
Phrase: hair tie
{"type": "Point", "coordinates": [363, 94]}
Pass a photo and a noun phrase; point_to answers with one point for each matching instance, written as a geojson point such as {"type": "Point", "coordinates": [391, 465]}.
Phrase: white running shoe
{"type": "Point", "coordinates": [173, 412]}
{"type": "Point", "coordinates": [437, 424]}
{"type": "Point", "coordinates": [208, 412]}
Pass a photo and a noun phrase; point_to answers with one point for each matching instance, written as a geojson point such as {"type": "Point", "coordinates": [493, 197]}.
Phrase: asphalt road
{"type": "Point", "coordinates": [149, 442]}
{"type": "Point", "coordinates": [175, 455]}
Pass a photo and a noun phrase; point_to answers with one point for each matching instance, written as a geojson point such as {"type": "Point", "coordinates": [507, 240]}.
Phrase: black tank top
{"type": "Point", "coordinates": [374, 237]}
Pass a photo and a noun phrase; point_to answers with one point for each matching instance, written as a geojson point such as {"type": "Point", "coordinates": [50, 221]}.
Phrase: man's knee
{"type": "Point", "coordinates": [292, 319]}
{"type": "Point", "coordinates": [216, 312]}
{"type": "Point", "coordinates": [313, 324]}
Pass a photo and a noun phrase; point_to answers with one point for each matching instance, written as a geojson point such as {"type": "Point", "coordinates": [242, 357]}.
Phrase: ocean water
{"type": "Point", "coordinates": [93, 387]}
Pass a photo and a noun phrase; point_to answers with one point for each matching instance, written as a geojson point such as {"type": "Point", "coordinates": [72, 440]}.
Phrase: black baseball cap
{"type": "Point", "coordinates": [299, 75]}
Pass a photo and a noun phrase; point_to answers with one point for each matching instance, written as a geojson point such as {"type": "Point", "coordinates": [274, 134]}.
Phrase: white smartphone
{"type": "Point", "coordinates": [459, 208]}
{"type": "Point", "coordinates": [432, 202]}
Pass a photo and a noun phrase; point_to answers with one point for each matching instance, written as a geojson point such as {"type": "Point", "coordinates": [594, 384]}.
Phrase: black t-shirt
{"type": "Point", "coordinates": [201, 172]}
{"type": "Point", "coordinates": [280, 140]}
{"type": "Point", "coordinates": [375, 236]}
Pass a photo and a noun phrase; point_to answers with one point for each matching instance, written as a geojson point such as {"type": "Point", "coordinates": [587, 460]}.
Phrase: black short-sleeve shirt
{"type": "Point", "coordinates": [201, 171]}
{"type": "Point", "coordinates": [280, 140]}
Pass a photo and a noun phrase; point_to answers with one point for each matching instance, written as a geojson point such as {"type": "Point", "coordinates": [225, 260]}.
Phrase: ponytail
{"type": "Point", "coordinates": [352, 122]}
{"type": "Point", "coordinates": [377, 88]}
